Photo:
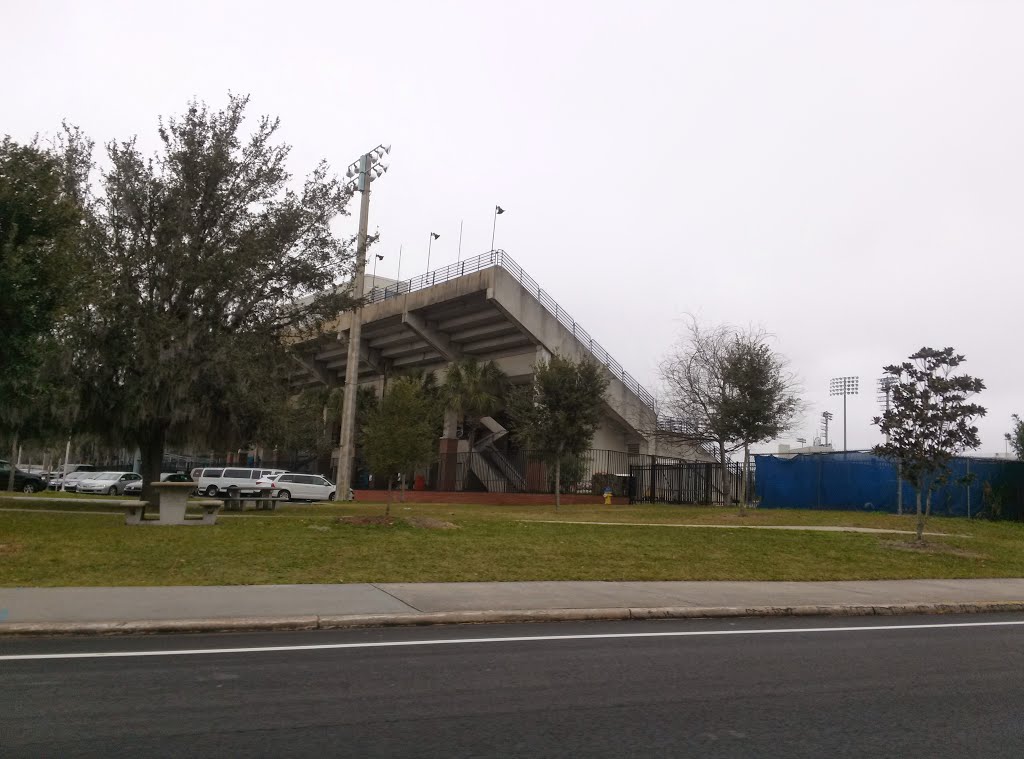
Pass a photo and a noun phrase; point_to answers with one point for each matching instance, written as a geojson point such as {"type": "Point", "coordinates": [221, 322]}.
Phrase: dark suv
{"type": "Point", "coordinates": [25, 482]}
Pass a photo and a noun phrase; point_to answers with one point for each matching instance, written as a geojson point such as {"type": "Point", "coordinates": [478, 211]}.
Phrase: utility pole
{"type": "Point", "coordinates": [362, 173]}
{"type": "Point", "coordinates": [826, 417]}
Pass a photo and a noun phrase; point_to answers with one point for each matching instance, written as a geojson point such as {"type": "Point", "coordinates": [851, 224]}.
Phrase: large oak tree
{"type": "Point", "coordinates": [41, 229]}
{"type": "Point", "coordinates": [206, 259]}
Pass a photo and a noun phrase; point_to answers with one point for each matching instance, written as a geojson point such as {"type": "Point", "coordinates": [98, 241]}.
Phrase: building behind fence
{"type": "Point", "coordinates": [862, 481]}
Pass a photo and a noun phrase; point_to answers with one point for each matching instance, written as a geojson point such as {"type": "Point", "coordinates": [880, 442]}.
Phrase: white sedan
{"type": "Point", "coordinates": [301, 487]}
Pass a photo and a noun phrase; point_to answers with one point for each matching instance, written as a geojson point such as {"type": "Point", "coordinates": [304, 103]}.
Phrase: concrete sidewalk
{"type": "Point", "coordinates": [205, 608]}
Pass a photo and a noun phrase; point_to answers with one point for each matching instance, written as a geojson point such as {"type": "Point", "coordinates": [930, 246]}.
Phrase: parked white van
{"type": "Point", "coordinates": [303, 487]}
{"type": "Point", "coordinates": [232, 481]}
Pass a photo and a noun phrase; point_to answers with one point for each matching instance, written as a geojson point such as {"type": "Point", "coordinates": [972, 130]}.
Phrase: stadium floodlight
{"type": "Point", "coordinates": [844, 386]}
{"type": "Point", "coordinates": [826, 417]}
{"type": "Point", "coordinates": [885, 385]}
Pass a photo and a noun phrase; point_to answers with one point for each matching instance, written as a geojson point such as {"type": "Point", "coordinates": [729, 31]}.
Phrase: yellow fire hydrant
{"type": "Point", "coordinates": [608, 495]}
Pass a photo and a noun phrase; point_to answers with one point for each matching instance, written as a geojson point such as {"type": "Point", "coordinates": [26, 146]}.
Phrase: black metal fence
{"type": "Point", "coordinates": [640, 477]}
{"type": "Point", "coordinates": [527, 472]}
{"type": "Point", "coordinates": [687, 482]}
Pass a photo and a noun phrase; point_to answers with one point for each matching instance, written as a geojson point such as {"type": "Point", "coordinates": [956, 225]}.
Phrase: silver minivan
{"type": "Point", "coordinates": [232, 481]}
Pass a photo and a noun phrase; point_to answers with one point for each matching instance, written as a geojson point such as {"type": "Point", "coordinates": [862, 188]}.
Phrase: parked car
{"type": "Point", "coordinates": [108, 483]}
{"type": "Point", "coordinates": [77, 468]}
{"type": "Point", "coordinates": [214, 481]}
{"type": "Point", "coordinates": [70, 482]}
{"type": "Point", "coordinates": [56, 479]}
{"type": "Point", "coordinates": [24, 482]}
{"type": "Point", "coordinates": [301, 487]}
{"type": "Point", "coordinates": [135, 487]}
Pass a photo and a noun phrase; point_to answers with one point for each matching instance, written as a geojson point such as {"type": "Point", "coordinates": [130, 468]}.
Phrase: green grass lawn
{"type": "Point", "coordinates": [305, 544]}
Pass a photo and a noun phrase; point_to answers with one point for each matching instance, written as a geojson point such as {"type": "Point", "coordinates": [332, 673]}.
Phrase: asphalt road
{"type": "Point", "coordinates": [800, 691]}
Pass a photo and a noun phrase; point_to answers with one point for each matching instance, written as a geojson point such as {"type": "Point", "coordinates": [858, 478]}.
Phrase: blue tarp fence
{"type": "Point", "coordinates": [863, 481]}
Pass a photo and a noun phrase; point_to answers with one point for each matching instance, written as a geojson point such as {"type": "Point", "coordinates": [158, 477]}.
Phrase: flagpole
{"type": "Point", "coordinates": [460, 243]}
{"type": "Point", "coordinates": [494, 226]}
{"type": "Point", "coordinates": [430, 244]}
{"type": "Point", "coordinates": [399, 275]}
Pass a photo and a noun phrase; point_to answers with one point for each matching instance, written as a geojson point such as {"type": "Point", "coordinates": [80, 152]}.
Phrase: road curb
{"type": "Point", "coordinates": [335, 622]}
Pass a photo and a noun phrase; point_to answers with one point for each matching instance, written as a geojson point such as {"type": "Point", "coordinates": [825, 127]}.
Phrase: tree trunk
{"type": "Point", "coordinates": [721, 461]}
{"type": "Point", "coordinates": [558, 482]}
{"type": "Point", "coordinates": [928, 503]}
{"type": "Point", "coordinates": [746, 475]}
{"type": "Point", "coordinates": [401, 485]}
{"type": "Point", "coordinates": [151, 446]}
{"type": "Point", "coordinates": [64, 469]}
{"type": "Point", "coordinates": [387, 503]}
{"type": "Point", "coordinates": [920, 515]}
{"type": "Point", "coordinates": [14, 451]}
{"type": "Point", "coordinates": [899, 488]}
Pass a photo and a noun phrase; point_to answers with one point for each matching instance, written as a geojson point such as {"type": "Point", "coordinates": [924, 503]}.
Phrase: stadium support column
{"type": "Point", "coordinates": [448, 452]}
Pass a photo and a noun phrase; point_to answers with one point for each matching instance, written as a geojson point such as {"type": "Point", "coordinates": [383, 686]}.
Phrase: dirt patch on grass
{"type": "Point", "coordinates": [369, 521]}
{"type": "Point", "coordinates": [10, 549]}
{"type": "Point", "coordinates": [932, 548]}
{"type": "Point", "coordinates": [420, 523]}
{"type": "Point", "coordinates": [429, 523]}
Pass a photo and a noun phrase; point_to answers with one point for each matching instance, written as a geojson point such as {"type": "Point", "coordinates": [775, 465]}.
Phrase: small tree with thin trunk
{"type": "Point", "coordinates": [929, 420]}
{"type": "Point", "coordinates": [559, 412]}
{"type": "Point", "coordinates": [726, 387]}
{"type": "Point", "coordinates": [399, 433]}
{"type": "Point", "coordinates": [761, 401]}
{"type": "Point", "coordinates": [696, 382]}
{"type": "Point", "coordinates": [1016, 438]}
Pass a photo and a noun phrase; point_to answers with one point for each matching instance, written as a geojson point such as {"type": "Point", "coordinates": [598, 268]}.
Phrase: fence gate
{"type": "Point", "coordinates": [685, 482]}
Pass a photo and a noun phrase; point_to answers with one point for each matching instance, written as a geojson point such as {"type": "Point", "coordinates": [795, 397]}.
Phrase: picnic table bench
{"type": "Point", "coordinates": [171, 511]}
{"type": "Point", "coordinates": [134, 510]}
{"type": "Point", "coordinates": [261, 502]}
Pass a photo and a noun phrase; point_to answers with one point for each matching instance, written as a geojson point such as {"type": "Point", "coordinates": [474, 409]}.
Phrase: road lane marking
{"type": "Point", "coordinates": [515, 639]}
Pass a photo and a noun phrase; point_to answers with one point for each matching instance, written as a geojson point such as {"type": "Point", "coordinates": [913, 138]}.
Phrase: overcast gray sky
{"type": "Point", "coordinates": [847, 175]}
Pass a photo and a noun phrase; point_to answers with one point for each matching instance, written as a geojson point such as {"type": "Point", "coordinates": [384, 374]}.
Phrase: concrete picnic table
{"type": "Point", "coordinates": [173, 504]}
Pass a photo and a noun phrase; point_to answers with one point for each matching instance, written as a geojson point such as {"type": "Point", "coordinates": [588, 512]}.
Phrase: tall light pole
{"type": "Point", "coordinates": [361, 173]}
{"type": "Point", "coordinates": [826, 417]}
{"type": "Point", "coordinates": [430, 243]}
{"type": "Point", "coordinates": [884, 397]}
{"type": "Point", "coordinates": [844, 386]}
{"type": "Point", "coordinates": [498, 210]}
